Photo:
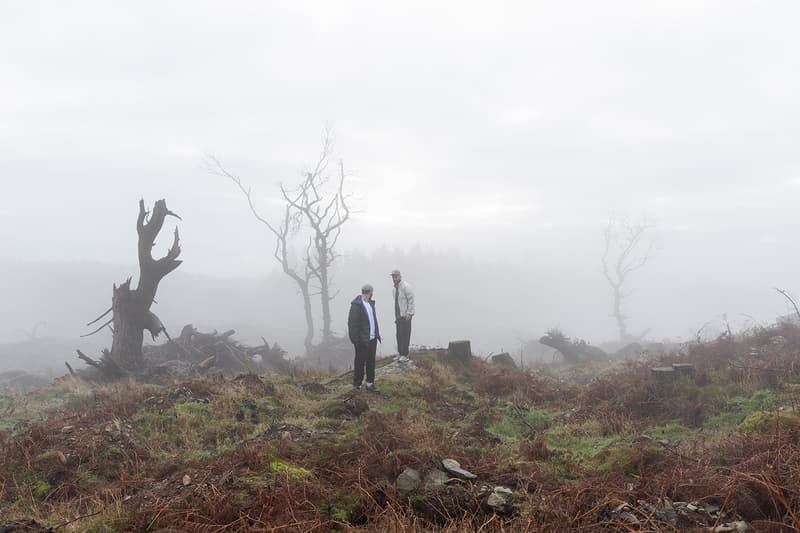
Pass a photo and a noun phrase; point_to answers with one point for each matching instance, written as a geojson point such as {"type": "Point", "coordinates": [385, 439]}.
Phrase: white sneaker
{"type": "Point", "coordinates": [403, 359]}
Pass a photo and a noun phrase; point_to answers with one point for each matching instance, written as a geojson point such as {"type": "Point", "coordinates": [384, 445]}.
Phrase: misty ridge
{"type": "Point", "coordinates": [500, 304]}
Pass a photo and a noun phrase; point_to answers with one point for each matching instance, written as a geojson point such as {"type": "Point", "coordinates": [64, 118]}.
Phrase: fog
{"type": "Point", "coordinates": [485, 146]}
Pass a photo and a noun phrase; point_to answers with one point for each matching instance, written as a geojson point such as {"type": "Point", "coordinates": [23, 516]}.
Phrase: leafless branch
{"type": "Point", "coordinates": [101, 316]}
{"type": "Point", "coordinates": [98, 329]}
{"type": "Point", "coordinates": [786, 295]}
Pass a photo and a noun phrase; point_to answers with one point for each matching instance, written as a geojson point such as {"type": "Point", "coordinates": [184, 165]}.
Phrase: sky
{"type": "Point", "coordinates": [508, 132]}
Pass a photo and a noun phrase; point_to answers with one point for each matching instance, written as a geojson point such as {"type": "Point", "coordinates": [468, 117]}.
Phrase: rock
{"type": "Point", "coordinates": [503, 360]}
{"type": "Point", "coordinates": [454, 467]}
{"type": "Point", "coordinates": [435, 479]}
{"type": "Point", "coordinates": [731, 527]}
{"type": "Point", "coordinates": [396, 367]}
{"type": "Point", "coordinates": [500, 500]}
{"type": "Point", "coordinates": [408, 481]}
{"type": "Point", "coordinates": [187, 480]}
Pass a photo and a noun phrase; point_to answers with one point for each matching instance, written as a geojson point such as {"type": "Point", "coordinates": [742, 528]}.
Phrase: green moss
{"type": "Point", "coordinates": [738, 407]}
{"type": "Point", "coordinates": [254, 479]}
{"type": "Point", "coordinates": [294, 472]}
{"type": "Point", "coordinates": [41, 488]}
{"type": "Point", "coordinates": [766, 421]}
{"type": "Point", "coordinates": [335, 513]}
{"type": "Point", "coordinates": [340, 508]}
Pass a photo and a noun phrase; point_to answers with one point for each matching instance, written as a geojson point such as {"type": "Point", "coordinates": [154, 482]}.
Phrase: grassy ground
{"type": "Point", "coordinates": [303, 452]}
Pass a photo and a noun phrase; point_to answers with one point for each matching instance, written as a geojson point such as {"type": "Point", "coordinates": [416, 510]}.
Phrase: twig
{"type": "Point", "coordinates": [64, 524]}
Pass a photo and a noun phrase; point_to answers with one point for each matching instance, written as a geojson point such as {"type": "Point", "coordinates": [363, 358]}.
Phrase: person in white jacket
{"type": "Point", "coordinates": [403, 313]}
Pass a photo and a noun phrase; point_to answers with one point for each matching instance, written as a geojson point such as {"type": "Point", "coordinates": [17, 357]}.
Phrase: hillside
{"type": "Point", "coordinates": [553, 448]}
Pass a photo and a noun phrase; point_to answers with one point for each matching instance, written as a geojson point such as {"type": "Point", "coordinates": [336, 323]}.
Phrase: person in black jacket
{"type": "Point", "coordinates": [362, 327]}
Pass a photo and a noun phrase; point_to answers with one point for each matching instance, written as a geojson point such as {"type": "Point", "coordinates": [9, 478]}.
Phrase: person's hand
{"type": "Point", "coordinates": [408, 317]}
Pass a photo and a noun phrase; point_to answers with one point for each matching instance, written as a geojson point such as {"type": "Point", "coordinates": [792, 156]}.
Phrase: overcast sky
{"type": "Point", "coordinates": [506, 130]}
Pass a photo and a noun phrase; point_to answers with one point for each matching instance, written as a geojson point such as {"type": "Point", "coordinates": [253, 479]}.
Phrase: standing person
{"type": "Point", "coordinates": [403, 313]}
{"type": "Point", "coordinates": [362, 327]}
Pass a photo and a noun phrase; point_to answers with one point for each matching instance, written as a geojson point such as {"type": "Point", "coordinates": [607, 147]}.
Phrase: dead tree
{"type": "Point", "coordinates": [288, 226]}
{"type": "Point", "coordinates": [130, 308]}
{"type": "Point", "coordinates": [628, 247]}
{"type": "Point", "coordinates": [321, 208]}
{"type": "Point", "coordinates": [325, 210]}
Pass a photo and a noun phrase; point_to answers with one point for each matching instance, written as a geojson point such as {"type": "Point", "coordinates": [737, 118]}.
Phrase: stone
{"type": "Point", "coordinates": [408, 480]}
{"type": "Point", "coordinates": [628, 517]}
{"type": "Point", "coordinates": [435, 479]}
{"type": "Point", "coordinates": [503, 360]}
{"type": "Point", "coordinates": [396, 367]}
{"type": "Point", "coordinates": [732, 527]}
{"type": "Point", "coordinates": [187, 480]}
{"type": "Point", "coordinates": [500, 499]}
{"type": "Point", "coordinates": [454, 467]}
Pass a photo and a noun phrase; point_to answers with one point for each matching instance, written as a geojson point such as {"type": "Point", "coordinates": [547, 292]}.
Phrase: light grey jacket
{"type": "Point", "coordinates": [405, 298]}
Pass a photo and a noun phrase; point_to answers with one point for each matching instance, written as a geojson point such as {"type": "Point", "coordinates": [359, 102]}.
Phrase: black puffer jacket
{"type": "Point", "coordinates": [358, 322]}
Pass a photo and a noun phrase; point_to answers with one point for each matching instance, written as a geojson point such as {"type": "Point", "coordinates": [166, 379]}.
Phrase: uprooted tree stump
{"type": "Point", "coordinates": [130, 308]}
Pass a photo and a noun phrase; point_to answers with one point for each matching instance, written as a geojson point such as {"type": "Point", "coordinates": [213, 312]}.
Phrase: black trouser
{"type": "Point", "coordinates": [403, 335]}
{"type": "Point", "coordinates": [365, 357]}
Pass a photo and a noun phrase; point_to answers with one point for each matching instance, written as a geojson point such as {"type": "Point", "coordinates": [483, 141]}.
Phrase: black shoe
{"type": "Point", "coordinates": [356, 387]}
{"type": "Point", "coordinates": [372, 388]}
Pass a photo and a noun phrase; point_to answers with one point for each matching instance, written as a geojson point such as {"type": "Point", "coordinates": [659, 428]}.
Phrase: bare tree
{"type": "Point", "coordinates": [323, 205]}
{"type": "Point", "coordinates": [282, 232]}
{"type": "Point", "coordinates": [628, 247]}
{"type": "Point", "coordinates": [130, 308]}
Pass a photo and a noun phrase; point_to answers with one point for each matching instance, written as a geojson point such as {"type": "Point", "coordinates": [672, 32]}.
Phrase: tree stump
{"type": "Point", "coordinates": [130, 308]}
{"type": "Point", "coordinates": [663, 374]}
{"type": "Point", "coordinates": [503, 360]}
{"type": "Point", "coordinates": [684, 369]}
{"type": "Point", "coordinates": [459, 352]}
